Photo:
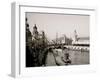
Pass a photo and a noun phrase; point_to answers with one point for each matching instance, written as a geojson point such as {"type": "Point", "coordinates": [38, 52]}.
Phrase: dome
{"type": "Point", "coordinates": [35, 26]}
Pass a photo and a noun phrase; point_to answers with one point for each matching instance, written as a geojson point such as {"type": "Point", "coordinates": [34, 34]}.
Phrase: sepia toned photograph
{"type": "Point", "coordinates": [57, 39]}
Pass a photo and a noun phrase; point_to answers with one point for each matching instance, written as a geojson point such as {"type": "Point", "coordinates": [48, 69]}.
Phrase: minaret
{"type": "Point", "coordinates": [56, 38]}
{"type": "Point", "coordinates": [28, 33]}
{"type": "Point", "coordinates": [27, 25]}
{"type": "Point", "coordinates": [75, 36]}
{"type": "Point", "coordinates": [35, 32]}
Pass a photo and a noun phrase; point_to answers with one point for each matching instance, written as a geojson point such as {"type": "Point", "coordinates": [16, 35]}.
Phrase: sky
{"type": "Point", "coordinates": [60, 24]}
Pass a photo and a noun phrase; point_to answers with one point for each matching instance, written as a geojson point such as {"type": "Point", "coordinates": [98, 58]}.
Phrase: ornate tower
{"type": "Point", "coordinates": [28, 34]}
{"type": "Point", "coordinates": [35, 32]}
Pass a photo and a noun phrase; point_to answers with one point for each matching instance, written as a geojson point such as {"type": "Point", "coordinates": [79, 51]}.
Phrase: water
{"type": "Point", "coordinates": [77, 57]}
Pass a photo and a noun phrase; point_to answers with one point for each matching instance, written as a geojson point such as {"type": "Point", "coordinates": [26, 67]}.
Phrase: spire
{"type": "Point", "coordinates": [75, 31]}
{"type": "Point", "coordinates": [75, 35]}
{"type": "Point", "coordinates": [27, 25]}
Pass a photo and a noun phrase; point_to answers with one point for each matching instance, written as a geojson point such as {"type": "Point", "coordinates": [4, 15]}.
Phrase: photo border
{"type": "Point", "coordinates": [17, 22]}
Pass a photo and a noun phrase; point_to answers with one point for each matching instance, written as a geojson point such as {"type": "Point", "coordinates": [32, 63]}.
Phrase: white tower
{"type": "Point", "coordinates": [75, 36]}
